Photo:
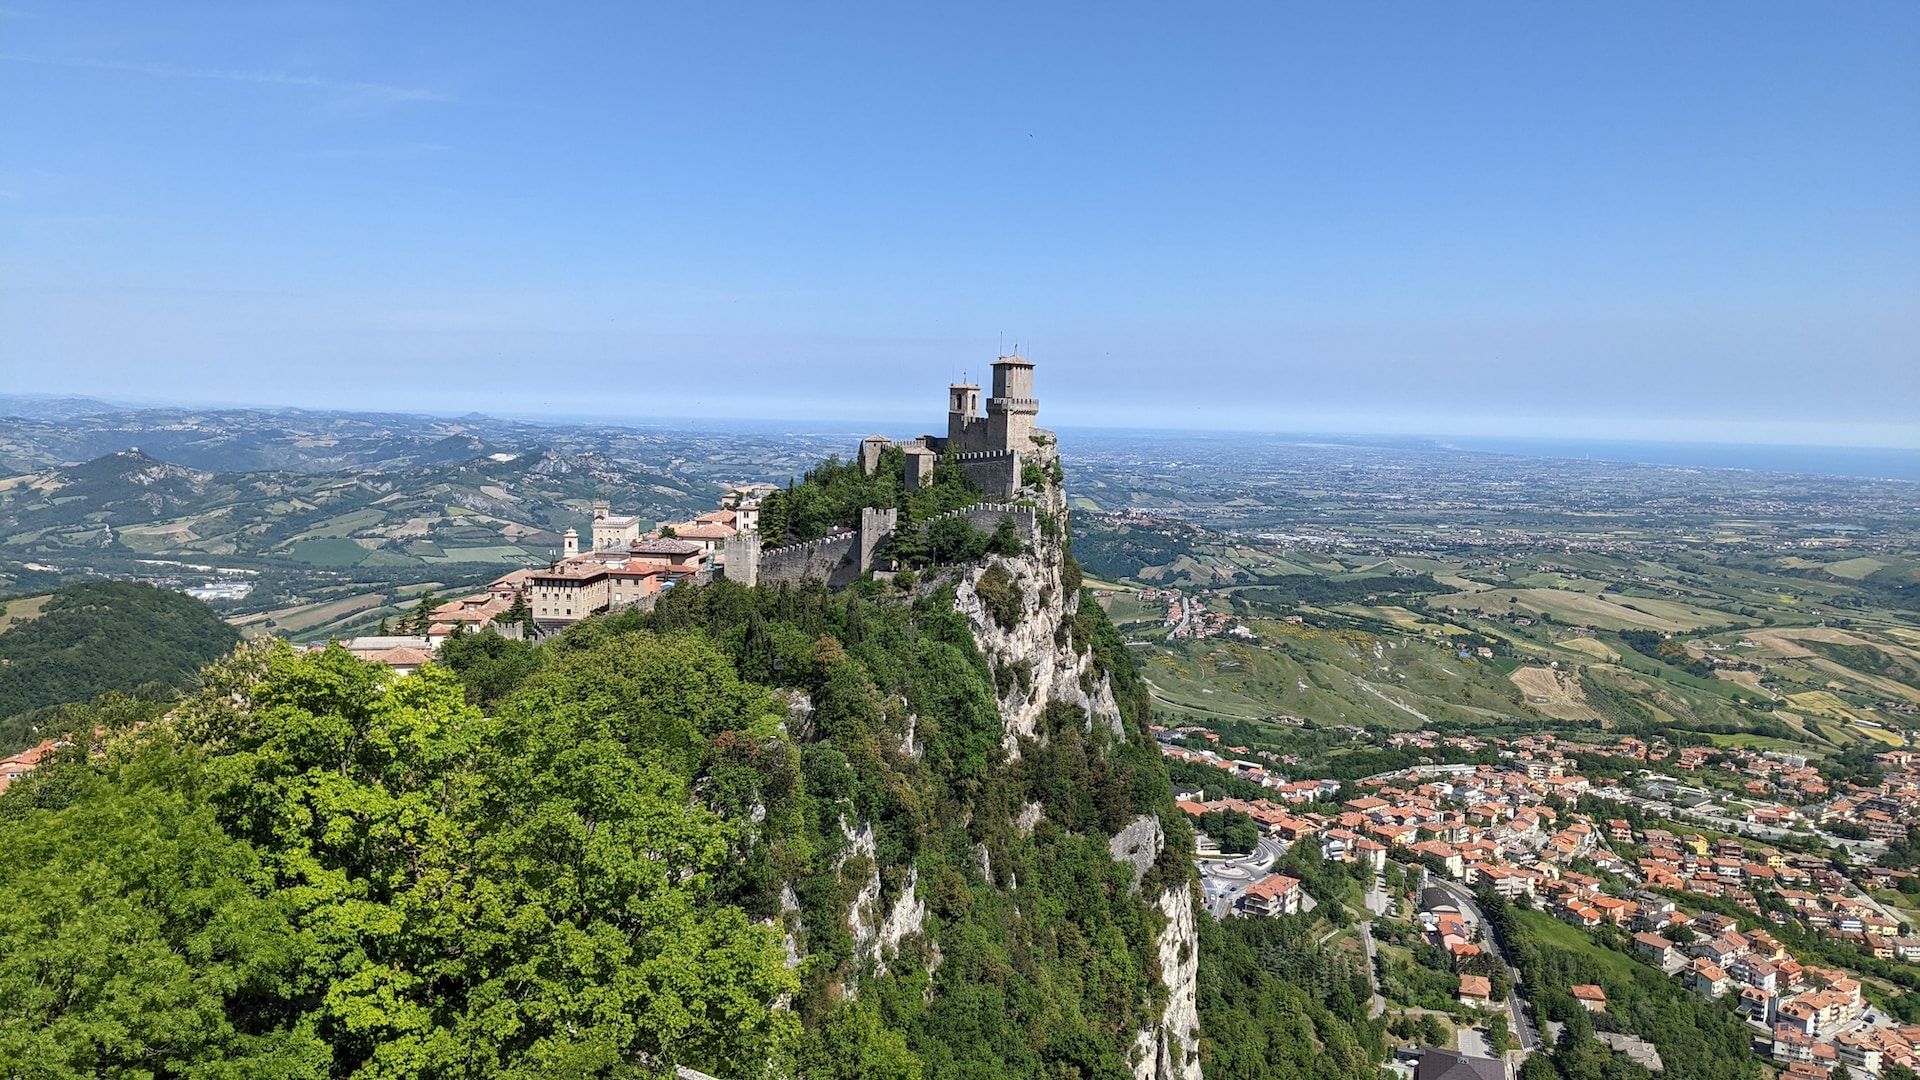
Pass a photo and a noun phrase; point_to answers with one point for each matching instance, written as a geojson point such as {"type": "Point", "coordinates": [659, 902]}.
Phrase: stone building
{"type": "Point", "coordinates": [611, 530]}
{"type": "Point", "coordinates": [568, 592]}
{"type": "Point", "coordinates": [991, 448]}
{"type": "Point", "coordinates": [1007, 426]}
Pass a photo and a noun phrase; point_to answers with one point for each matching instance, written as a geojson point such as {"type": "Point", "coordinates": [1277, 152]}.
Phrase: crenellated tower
{"type": "Point", "coordinates": [1012, 408]}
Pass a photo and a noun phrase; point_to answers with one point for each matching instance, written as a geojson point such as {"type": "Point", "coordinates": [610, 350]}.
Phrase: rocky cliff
{"type": "Point", "coordinates": [1024, 633]}
{"type": "Point", "coordinates": [1021, 609]}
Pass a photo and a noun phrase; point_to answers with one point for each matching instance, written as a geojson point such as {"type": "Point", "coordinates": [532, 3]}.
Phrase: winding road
{"type": "Point", "coordinates": [1517, 1017]}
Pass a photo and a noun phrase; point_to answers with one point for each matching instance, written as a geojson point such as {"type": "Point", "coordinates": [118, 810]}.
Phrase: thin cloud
{"type": "Point", "coordinates": [382, 91]}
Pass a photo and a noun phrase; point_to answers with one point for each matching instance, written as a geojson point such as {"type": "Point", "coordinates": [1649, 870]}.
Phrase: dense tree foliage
{"type": "Point", "coordinates": [1234, 831]}
{"type": "Point", "coordinates": [833, 493]}
{"type": "Point", "coordinates": [661, 838]}
{"type": "Point", "coordinates": [96, 637]}
{"type": "Point", "coordinates": [1695, 1036]}
{"type": "Point", "coordinates": [1275, 1007]}
{"type": "Point", "coordinates": [321, 870]}
{"type": "Point", "coordinates": [581, 857]}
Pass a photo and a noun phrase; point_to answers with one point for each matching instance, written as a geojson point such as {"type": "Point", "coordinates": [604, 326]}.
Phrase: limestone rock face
{"type": "Point", "coordinates": [863, 916]}
{"type": "Point", "coordinates": [1037, 643]}
{"type": "Point", "coordinates": [875, 936]}
{"type": "Point", "coordinates": [906, 919]}
{"type": "Point", "coordinates": [1138, 845]}
{"type": "Point", "coordinates": [1170, 1049]}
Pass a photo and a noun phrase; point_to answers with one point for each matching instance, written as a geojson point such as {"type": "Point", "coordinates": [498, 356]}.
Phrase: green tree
{"type": "Point", "coordinates": [97, 637]}
{"type": "Point", "coordinates": [534, 891]}
{"type": "Point", "coordinates": [1005, 539]}
{"type": "Point", "coordinates": [134, 939]}
{"type": "Point", "coordinates": [954, 539]}
{"type": "Point", "coordinates": [422, 617]}
{"type": "Point", "coordinates": [1499, 1036]}
{"type": "Point", "coordinates": [490, 666]}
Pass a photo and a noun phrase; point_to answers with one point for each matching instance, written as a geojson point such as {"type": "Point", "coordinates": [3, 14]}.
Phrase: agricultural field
{"type": "Point", "coordinates": [1660, 603]}
{"type": "Point", "coordinates": [23, 610]}
{"type": "Point", "coordinates": [1580, 608]}
{"type": "Point", "coordinates": [337, 616]}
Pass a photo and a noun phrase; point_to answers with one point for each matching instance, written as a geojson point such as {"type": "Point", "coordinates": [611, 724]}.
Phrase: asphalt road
{"type": "Point", "coordinates": [1379, 1004]}
{"type": "Point", "coordinates": [1223, 880]}
{"type": "Point", "coordinates": [1517, 1017]}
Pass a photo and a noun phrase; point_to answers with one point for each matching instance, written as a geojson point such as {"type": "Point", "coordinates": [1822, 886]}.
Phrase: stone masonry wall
{"type": "Point", "coordinates": [833, 560]}
{"type": "Point", "coordinates": [995, 473]}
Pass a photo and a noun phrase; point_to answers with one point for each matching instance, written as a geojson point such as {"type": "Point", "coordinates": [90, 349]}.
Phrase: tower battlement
{"type": "Point", "coordinates": [990, 444]}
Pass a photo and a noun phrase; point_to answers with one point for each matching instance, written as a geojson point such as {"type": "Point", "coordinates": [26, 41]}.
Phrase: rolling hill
{"type": "Point", "coordinates": [501, 508]}
{"type": "Point", "coordinates": [85, 640]}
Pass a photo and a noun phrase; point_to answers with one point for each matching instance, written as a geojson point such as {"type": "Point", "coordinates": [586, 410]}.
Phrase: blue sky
{"type": "Point", "coordinates": [1675, 221]}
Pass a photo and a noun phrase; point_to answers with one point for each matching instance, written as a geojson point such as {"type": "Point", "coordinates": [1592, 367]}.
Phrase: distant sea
{"type": "Point", "coordinates": [1869, 462]}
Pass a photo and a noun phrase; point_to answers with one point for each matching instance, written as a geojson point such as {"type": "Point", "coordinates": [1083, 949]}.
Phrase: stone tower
{"type": "Point", "coordinates": [1012, 408]}
{"type": "Point", "coordinates": [964, 426]}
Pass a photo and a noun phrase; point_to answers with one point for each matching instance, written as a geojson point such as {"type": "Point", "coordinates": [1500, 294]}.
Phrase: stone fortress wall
{"type": "Point", "coordinates": [991, 450]}
{"type": "Point", "coordinates": [841, 560]}
{"type": "Point", "coordinates": [995, 472]}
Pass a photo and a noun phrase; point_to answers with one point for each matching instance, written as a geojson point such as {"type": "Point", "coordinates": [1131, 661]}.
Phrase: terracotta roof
{"type": "Point", "coordinates": [1273, 886]}
{"type": "Point", "coordinates": [402, 657]}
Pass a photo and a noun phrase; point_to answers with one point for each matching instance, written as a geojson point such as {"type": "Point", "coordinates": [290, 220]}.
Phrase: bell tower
{"type": "Point", "coordinates": [963, 415]}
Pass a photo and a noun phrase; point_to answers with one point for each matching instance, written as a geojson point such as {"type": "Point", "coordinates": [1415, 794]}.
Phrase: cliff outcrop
{"type": "Point", "coordinates": [1022, 611]}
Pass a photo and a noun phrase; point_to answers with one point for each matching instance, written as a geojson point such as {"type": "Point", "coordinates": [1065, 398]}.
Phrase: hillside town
{"type": "Point", "coordinates": [622, 566]}
{"type": "Point", "coordinates": [1189, 617]}
{"type": "Point", "coordinates": [1713, 907]}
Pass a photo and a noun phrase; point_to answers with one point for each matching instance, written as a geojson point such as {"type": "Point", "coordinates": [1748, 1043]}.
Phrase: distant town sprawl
{"type": "Point", "coordinates": [1724, 901]}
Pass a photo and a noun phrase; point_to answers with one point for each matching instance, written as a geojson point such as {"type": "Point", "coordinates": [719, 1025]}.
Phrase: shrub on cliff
{"type": "Point", "coordinates": [1001, 595]}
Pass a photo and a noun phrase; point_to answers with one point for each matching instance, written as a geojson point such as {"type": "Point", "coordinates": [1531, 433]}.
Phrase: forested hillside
{"type": "Point", "coordinates": [89, 639]}
{"type": "Point", "coordinates": [756, 832]}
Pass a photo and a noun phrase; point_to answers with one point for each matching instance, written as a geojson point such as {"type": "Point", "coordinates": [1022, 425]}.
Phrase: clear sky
{"type": "Point", "coordinates": [1663, 220]}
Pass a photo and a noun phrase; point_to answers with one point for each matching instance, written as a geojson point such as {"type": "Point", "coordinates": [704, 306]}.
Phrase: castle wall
{"type": "Point", "coordinates": [834, 560]}
{"type": "Point", "coordinates": [920, 463]}
{"type": "Point", "coordinates": [968, 434]}
{"type": "Point", "coordinates": [995, 472]}
{"type": "Point", "coordinates": [985, 517]}
{"type": "Point", "coordinates": [740, 558]}
{"type": "Point", "coordinates": [876, 526]}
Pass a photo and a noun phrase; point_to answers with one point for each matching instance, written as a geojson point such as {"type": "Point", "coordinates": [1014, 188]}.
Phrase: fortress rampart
{"type": "Point", "coordinates": [841, 560]}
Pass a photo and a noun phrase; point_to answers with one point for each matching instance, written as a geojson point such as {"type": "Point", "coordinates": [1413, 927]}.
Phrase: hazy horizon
{"type": "Point", "coordinates": [910, 415]}
{"type": "Point", "coordinates": [1861, 461]}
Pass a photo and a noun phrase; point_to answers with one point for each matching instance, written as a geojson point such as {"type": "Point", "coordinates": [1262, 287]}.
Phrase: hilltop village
{"type": "Point", "coordinates": [995, 444]}
{"type": "Point", "coordinates": [1699, 861]}
{"type": "Point", "coordinates": [1753, 879]}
